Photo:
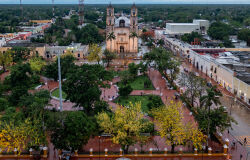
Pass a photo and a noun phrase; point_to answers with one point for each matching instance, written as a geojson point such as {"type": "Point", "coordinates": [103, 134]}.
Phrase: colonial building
{"type": "Point", "coordinates": [121, 32]}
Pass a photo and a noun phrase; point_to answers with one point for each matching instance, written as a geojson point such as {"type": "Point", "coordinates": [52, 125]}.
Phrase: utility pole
{"type": "Point", "coordinates": [53, 8]}
{"type": "Point", "coordinates": [60, 81]}
{"type": "Point", "coordinates": [21, 9]}
{"type": "Point", "coordinates": [81, 12]}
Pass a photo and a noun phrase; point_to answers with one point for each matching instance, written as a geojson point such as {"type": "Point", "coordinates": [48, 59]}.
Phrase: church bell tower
{"type": "Point", "coordinates": [134, 19]}
{"type": "Point", "coordinates": [110, 20]}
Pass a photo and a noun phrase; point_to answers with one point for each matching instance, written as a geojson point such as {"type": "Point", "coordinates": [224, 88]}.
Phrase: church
{"type": "Point", "coordinates": [122, 32]}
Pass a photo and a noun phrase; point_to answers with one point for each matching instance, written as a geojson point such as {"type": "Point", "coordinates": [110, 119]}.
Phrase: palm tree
{"type": "Point", "coordinates": [133, 35]}
{"type": "Point", "coordinates": [110, 37]}
{"type": "Point", "coordinates": [212, 97]}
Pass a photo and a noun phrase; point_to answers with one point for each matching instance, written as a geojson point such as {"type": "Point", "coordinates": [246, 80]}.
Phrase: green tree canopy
{"type": "Point", "coordinates": [71, 130]}
{"type": "Point", "coordinates": [219, 30]}
{"type": "Point", "coordinates": [189, 37]}
{"type": "Point", "coordinates": [67, 63]}
{"type": "Point", "coordinates": [83, 83]}
{"type": "Point", "coordinates": [244, 35]}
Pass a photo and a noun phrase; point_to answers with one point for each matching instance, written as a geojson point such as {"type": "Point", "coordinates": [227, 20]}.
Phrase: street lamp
{"type": "Point", "coordinates": [99, 137]}
{"type": "Point", "coordinates": [60, 81]}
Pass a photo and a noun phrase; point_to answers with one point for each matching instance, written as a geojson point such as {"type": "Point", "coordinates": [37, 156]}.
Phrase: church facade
{"type": "Point", "coordinates": [122, 32]}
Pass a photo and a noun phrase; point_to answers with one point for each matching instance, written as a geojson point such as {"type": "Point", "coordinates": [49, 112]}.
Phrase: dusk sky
{"type": "Point", "coordinates": [128, 1]}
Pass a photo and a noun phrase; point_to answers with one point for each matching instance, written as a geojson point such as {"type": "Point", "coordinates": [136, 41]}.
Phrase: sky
{"type": "Point", "coordinates": [128, 1]}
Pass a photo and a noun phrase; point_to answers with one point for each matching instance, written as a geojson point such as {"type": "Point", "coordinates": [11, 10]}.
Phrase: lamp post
{"type": "Point", "coordinates": [60, 81]}
{"type": "Point", "coordinates": [99, 137]}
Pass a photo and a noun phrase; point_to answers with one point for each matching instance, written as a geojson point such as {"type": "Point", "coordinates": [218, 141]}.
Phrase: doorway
{"type": "Point", "coordinates": [121, 49]}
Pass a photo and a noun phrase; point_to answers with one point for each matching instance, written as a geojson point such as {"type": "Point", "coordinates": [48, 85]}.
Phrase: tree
{"type": "Point", "coordinates": [111, 36]}
{"type": "Point", "coordinates": [169, 120]}
{"type": "Point", "coordinates": [67, 63]}
{"type": "Point", "coordinates": [194, 88]}
{"type": "Point", "coordinates": [133, 35]}
{"type": "Point", "coordinates": [36, 64]}
{"type": "Point", "coordinates": [244, 35]}
{"type": "Point", "coordinates": [108, 57]}
{"type": "Point", "coordinates": [219, 30]}
{"type": "Point", "coordinates": [163, 61]}
{"type": "Point", "coordinates": [72, 131]}
{"type": "Point", "coordinates": [247, 22]}
{"type": "Point", "coordinates": [89, 34]}
{"type": "Point", "coordinates": [212, 97]}
{"type": "Point", "coordinates": [6, 59]}
{"type": "Point", "coordinates": [161, 42]}
{"type": "Point", "coordinates": [33, 105]}
{"type": "Point", "coordinates": [190, 37]}
{"type": "Point", "coordinates": [125, 90]}
{"type": "Point", "coordinates": [20, 54]}
{"type": "Point", "coordinates": [125, 125]}
{"type": "Point", "coordinates": [216, 119]}
{"type": "Point", "coordinates": [20, 136]}
{"type": "Point", "coordinates": [133, 70]}
{"type": "Point", "coordinates": [83, 83]}
{"type": "Point", "coordinates": [95, 53]}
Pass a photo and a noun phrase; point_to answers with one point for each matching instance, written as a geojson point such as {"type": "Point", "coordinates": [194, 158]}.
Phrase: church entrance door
{"type": "Point", "coordinates": [121, 49]}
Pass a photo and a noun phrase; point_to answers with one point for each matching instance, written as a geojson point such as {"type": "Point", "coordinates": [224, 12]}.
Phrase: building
{"type": "Point", "coordinates": [78, 50]}
{"type": "Point", "coordinates": [229, 67]}
{"type": "Point", "coordinates": [123, 28]}
{"type": "Point", "coordinates": [200, 26]}
{"type": "Point", "coordinates": [41, 21]}
{"type": "Point", "coordinates": [49, 52]}
{"type": "Point", "coordinates": [2, 41]}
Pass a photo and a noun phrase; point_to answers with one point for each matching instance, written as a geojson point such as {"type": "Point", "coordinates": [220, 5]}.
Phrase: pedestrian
{"type": "Point", "coordinates": [245, 141]}
{"type": "Point", "coordinates": [241, 156]}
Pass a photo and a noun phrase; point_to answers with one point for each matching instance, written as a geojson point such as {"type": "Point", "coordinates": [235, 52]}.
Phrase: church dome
{"type": "Point", "coordinates": [122, 22]}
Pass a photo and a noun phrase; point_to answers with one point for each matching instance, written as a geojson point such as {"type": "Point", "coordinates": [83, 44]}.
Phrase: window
{"type": "Point", "coordinates": [121, 39]}
{"type": "Point", "coordinates": [78, 55]}
{"type": "Point", "coordinates": [215, 70]}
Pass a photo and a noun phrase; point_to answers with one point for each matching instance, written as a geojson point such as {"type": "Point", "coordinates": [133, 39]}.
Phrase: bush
{"type": "Point", "coordinates": [147, 83]}
{"type": "Point", "coordinates": [125, 90]}
{"type": "Point", "coordinates": [3, 104]}
{"type": "Point", "coordinates": [155, 101]}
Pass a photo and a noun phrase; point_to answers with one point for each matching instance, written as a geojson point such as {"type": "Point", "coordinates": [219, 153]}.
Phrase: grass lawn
{"type": "Point", "coordinates": [138, 83]}
{"type": "Point", "coordinates": [143, 99]}
{"type": "Point", "coordinates": [55, 93]}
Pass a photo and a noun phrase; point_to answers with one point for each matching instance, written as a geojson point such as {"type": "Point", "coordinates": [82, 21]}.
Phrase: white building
{"type": "Point", "coordinates": [204, 25]}
{"type": "Point", "coordinates": [200, 26]}
{"type": "Point", "coordinates": [2, 42]}
{"type": "Point", "coordinates": [215, 67]}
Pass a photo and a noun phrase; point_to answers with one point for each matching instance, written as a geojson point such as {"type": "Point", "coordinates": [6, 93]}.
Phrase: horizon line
{"type": "Point", "coordinates": [122, 3]}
